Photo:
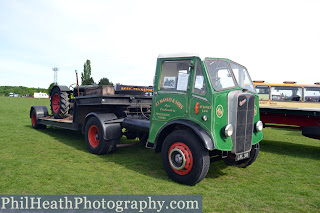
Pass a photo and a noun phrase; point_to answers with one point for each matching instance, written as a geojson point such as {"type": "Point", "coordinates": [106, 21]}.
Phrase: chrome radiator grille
{"type": "Point", "coordinates": [241, 116]}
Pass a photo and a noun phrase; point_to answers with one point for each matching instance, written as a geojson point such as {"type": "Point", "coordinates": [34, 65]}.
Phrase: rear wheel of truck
{"type": "Point", "coordinates": [96, 144]}
{"type": "Point", "coordinates": [230, 160]}
{"type": "Point", "coordinates": [34, 121]}
{"type": "Point", "coordinates": [59, 103]}
{"type": "Point", "coordinates": [184, 158]}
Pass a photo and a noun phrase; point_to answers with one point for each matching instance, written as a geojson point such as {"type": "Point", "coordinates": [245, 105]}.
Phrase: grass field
{"type": "Point", "coordinates": [284, 178]}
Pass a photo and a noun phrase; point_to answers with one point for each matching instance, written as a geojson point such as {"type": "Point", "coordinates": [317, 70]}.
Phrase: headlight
{"type": "Point", "coordinates": [228, 130]}
{"type": "Point", "coordinates": [259, 126]}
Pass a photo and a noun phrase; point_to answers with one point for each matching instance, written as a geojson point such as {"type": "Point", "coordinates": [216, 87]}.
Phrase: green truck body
{"type": "Point", "coordinates": [190, 103]}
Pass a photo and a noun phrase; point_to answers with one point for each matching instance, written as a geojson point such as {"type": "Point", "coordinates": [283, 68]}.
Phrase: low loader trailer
{"type": "Point", "coordinates": [200, 110]}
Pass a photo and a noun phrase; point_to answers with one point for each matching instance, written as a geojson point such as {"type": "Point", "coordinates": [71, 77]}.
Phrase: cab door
{"type": "Point", "coordinates": [171, 92]}
{"type": "Point", "coordinates": [200, 103]}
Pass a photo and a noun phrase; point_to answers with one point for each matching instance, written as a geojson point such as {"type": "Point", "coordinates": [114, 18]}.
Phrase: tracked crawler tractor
{"type": "Point", "coordinates": [198, 111]}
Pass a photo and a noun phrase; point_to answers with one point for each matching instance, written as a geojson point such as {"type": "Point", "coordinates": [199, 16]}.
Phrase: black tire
{"type": "Point", "coordinates": [230, 160]}
{"type": "Point", "coordinates": [96, 144]}
{"type": "Point", "coordinates": [311, 131]}
{"type": "Point", "coordinates": [190, 160]}
{"type": "Point", "coordinates": [34, 121]}
{"type": "Point", "coordinates": [59, 103]}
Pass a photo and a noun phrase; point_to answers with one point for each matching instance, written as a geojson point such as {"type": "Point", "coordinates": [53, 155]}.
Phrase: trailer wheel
{"type": "Point", "coordinates": [230, 160]}
{"type": "Point", "coordinates": [96, 144]}
{"type": "Point", "coordinates": [59, 103]}
{"type": "Point", "coordinates": [34, 121]}
{"type": "Point", "coordinates": [184, 158]}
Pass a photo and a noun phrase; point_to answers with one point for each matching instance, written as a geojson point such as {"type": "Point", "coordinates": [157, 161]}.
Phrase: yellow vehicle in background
{"type": "Point", "coordinates": [290, 104]}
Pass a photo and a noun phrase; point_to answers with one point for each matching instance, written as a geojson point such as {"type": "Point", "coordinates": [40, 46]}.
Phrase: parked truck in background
{"type": "Point", "coordinates": [202, 110]}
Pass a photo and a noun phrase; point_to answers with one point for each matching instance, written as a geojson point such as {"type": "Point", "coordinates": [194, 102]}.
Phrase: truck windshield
{"type": "Point", "coordinates": [220, 74]}
{"type": "Point", "coordinates": [222, 77]}
{"type": "Point", "coordinates": [242, 77]}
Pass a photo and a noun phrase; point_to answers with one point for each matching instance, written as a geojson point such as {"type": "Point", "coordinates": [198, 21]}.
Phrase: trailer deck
{"type": "Point", "coordinates": [64, 120]}
{"type": "Point", "coordinates": [124, 105]}
{"type": "Point", "coordinates": [66, 123]}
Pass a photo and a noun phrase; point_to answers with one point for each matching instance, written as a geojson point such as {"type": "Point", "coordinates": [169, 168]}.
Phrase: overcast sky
{"type": "Point", "coordinates": [277, 40]}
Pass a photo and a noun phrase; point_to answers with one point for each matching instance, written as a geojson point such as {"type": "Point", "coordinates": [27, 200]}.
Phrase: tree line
{"type": "Point", "coordinates": [22, 91]}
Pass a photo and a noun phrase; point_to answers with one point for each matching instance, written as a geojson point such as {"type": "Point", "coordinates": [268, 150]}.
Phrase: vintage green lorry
{"type": "Point", "coordinates": [201, 110]}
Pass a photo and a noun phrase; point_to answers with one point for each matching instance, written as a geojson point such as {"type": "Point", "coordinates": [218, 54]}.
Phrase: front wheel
{"type": "Point", "coordinates": [96, 144]}
{"type": "Point", "coordinates": [184, 158]}
{"type": "Point", "coordinates": [230, 160]}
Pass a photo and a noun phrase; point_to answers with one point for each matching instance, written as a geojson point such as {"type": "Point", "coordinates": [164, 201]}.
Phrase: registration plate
{"type": "Point", "coordinates": [242, 156]}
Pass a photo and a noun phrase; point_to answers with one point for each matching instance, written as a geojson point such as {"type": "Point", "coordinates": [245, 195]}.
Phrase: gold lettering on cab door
{"type": "Point", "coordinates": [171, 100]}
{"type": "Point", "coordinates": [205, 108]}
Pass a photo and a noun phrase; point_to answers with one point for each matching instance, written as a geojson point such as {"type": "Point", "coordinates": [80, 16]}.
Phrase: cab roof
{"type": "Point", "coordinates": [187, 55]}
{"type": "Point", "coordinates": [178, 55]}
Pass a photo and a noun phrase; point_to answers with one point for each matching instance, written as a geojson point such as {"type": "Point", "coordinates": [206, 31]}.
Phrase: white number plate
{"type": "Point", "coordinates": [242, 156]}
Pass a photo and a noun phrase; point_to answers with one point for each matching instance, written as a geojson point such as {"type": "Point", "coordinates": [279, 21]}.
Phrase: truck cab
{"type": "Point", "coordinates": [211, 101]}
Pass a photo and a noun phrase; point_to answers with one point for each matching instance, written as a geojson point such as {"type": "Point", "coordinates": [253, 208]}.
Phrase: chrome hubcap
{"type": "Point", "coordinates": [177, 159]}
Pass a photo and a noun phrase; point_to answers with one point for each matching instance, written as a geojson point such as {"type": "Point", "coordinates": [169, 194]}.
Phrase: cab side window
{"type": "Point", "coordinates": [175, 75]}
{"type": "Point", "coordinates": [199, 86]}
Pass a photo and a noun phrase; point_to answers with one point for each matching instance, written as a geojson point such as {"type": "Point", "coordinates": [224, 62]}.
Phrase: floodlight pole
{"type": "Point", "coordinates": [55, 70]}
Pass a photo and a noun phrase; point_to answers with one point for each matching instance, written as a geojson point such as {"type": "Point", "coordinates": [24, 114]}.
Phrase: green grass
{"type": "Point", "coordinates": [285, 177]}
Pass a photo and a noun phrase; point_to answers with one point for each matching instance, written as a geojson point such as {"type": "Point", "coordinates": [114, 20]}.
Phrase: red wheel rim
{"type": "Point", "coordinates": [33, 119]}
{"type": "Point", "coordinates": [93, 136]}
{"type": "Point", "coordinates": [180, 158]}
{"type": "Point", "coordinates": [55, 103]}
